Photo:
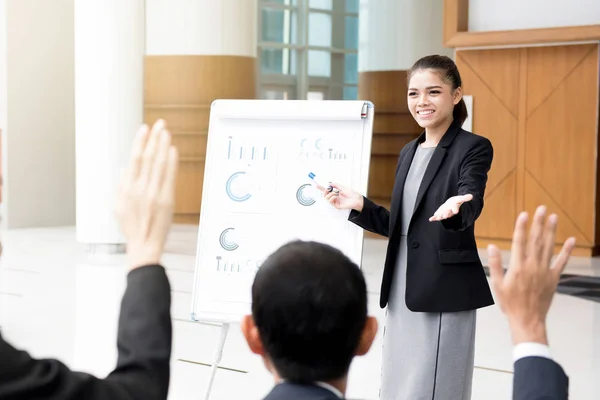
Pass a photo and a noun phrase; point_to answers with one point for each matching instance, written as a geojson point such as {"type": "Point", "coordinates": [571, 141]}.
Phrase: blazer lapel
{"type": "Point", "coordinates": [397, 193]}
{"type": "Point", "coordinates": [434, 164]}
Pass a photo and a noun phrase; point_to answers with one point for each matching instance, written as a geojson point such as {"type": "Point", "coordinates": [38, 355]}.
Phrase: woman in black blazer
{"type": "Point", "coordinates": [433, 280]}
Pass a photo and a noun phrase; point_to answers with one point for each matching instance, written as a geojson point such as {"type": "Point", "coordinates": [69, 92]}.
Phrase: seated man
{"type": "Point", "coordinates": [309, 319]}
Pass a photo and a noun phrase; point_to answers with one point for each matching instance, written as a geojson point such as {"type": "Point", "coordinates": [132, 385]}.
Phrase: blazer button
{"type": "Point", "coordinates": [414, 244]}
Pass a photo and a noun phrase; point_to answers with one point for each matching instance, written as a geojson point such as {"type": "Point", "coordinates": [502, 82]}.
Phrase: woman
{"type": "Point", "coordinates": [433, 280]}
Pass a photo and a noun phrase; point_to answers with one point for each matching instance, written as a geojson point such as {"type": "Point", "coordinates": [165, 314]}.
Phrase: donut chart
{"type": "Point", "coordinates": [227, 244]}
{"type": "Point", "coordinates": [236, 195]}
{"type": "Point", "coordinates": [303, 198]}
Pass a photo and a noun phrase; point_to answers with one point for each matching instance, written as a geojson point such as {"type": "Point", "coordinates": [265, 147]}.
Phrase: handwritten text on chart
{"type": "Point", "coordinates": [316, 149]}
{"type": "Point", "coordinates": [228, 265]}
{"type": "Point", "coordinates": [237, 151]}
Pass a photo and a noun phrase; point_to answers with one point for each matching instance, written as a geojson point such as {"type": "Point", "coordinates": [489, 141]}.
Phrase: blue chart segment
{"type": "Point", "coordinates": [227, 244]}
{"type": "Point", "coordinates": [231, 193]}
{"type": "Point", "coordinates": [302, 197]}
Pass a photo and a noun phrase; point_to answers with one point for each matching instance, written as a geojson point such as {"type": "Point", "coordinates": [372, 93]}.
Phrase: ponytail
{"type": "Point", "coordinates": [460, 112]}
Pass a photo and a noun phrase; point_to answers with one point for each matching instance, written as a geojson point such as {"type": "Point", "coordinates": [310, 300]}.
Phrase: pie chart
{"type": "Point", "coordinates": [237, 187]}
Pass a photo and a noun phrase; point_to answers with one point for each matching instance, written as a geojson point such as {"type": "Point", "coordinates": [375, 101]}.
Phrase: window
{"type": "Point", "coordinates": [351, 33]}
{"type": "Point", "coordinates": [278, 61]}
{"type": "Point", "coordinates": [322, 4]}
{"type": "Point", "coordinates": [308, 49]}
{"type": "Point", "coordinates": [284, 2]}
{"type": "Point", "coordinates": [319, 63]}
{"type": "Point", "coordinates": [352, 6]}
{"type": "Point", "coordinates": [350, 93]}
{"type": "Point", "coordinates": [279, 25]}
{"type": "Point", "coordinates": [319, 29]}
{"type": "Point", "coordinates": [351, 68]}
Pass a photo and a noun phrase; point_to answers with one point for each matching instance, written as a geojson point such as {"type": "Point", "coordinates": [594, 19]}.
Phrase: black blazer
{"type": "Point", "coordinates": [444, 272]}
{"type": "Point", "coordinates": [292, 391]}
{"type": "Point", "coordinates": [538, 378]}
{"type": "Point", "coordinates": [144, 343]}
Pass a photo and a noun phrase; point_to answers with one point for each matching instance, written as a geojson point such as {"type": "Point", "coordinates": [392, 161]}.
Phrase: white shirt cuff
{"type": "Point", "coordinates": [523, 350]}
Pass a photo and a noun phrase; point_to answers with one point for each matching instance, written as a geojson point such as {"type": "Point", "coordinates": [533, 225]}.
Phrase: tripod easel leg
{"type": "Point", "coordinates": [217, 359]}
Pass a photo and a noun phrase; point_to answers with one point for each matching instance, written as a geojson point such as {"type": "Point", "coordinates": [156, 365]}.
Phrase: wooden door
{"type": "Point", "coordinates": [539, 107]}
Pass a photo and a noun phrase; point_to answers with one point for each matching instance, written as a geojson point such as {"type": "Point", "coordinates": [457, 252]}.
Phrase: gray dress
{"type": "Point", "coordinates": [426, 356]}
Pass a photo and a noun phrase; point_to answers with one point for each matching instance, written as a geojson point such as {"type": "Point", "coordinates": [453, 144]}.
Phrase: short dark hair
{"type": "Point", "coordinates": [309, 303]}
{"type": "Point", "coordinates": [449, 73]}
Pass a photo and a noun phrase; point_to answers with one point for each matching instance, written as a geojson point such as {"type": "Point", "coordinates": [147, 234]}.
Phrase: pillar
{"type": "Point", "coordinates": [36, 113]}
{"type": "Point", "coordinates": [109, 68]}
{"type": "Point", "coordinates": [196, 51]}
{"type": "Point", "coordinates": [392, 36]}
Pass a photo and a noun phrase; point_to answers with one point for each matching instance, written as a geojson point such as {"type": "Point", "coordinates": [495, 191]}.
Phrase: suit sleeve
{"type": "Point", "coordinates": [144, 344]}
{"type": "Point", "coordinates": [539, 378]}
{"type": "Point", "coordinates": [472, 180]}
{"type": "Point", "coordinates": [374, 217]}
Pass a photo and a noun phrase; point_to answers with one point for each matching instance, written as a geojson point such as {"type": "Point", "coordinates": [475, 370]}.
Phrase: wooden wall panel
{"type": "Point", "coordinates": [542, 119]}
{"type": "Point", "coordinates": [561, 137]}
{"type": "Point", "coordinates": [495, 116]}
{"type": "Point", "coordinates": [180, 89]}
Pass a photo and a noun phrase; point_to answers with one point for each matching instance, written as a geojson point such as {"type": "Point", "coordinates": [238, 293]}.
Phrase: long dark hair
{"type": "Point", "coordinates": [449, 73]}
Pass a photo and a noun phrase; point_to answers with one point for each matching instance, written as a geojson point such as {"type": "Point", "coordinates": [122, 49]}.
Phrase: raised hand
{"type": "Point", "coordinates": [450, 208]}
{"type": "Point", "coordinates": [526, 291]}
{"type": "Point", "coordinates": [146, 195]}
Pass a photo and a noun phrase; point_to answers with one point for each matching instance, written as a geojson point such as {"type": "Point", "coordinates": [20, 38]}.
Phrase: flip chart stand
{"type": "Point", "coordinates": [217, 358]}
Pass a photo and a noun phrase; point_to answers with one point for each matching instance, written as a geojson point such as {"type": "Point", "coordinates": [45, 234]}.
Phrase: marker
{"type": "Point", "coordinates": [328, 187]}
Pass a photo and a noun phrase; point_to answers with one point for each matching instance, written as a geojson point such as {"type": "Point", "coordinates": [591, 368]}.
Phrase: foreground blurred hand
{"type": "Point", "coordinates": [144, 209]}
{"type": "Point", "coordinates": [524, 295]}
{"type": "Point", "coordinates": [526, 291]}
{"type": "Point", "coordinates": [146, 195]}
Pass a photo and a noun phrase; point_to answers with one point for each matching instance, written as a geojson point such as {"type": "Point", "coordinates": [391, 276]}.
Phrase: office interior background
{"type": "Point", "coordinates": [77, 77]}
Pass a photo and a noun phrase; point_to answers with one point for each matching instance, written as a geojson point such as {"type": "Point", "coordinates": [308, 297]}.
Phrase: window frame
{"type": "Point", "coordinates": [302, 82]}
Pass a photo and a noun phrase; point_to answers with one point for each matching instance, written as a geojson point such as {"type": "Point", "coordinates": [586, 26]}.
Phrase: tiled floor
{"type": "Point", "coordinates": [57, 301]}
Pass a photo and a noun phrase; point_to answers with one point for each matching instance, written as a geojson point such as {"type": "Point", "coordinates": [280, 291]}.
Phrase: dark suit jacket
{"type": "Point", "coordinates": [291, 391]}
{"type": "Point", "coordinates": [144, 343]}
{"type": "Point", "coordinates": [538, 378]}
{"type": "Point", "coordinates": [444, 272]}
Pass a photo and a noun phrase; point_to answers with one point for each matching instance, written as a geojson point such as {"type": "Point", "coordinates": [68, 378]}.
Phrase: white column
{"type": "Point", "coordinates": [36, 113]}
{"type": "Point", "coordinates": [109, 74]}
{"type": "Point", "coordinates": [201, 27]}
{"type": "Point", "coordinates": [393, 34]}
{"type": "Point", "coordinates": [3, 108]}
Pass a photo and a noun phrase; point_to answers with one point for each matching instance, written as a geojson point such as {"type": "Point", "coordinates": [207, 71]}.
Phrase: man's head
{"type": "Point", "coordinates": [309, 313]}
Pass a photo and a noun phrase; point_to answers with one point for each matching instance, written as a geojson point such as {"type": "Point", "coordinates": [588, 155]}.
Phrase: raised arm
{"type": "Point", "coordinates": [144, 343]}
{"type": "Point", "coordinates": [145, 210]}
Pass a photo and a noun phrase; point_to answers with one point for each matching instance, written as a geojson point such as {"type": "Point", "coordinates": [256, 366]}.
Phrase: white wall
{"type": "Point", "coordinates": [493, 15]}
{"type": "Point", "coordinates": [393, 34]}
{"type": "Point", "coordinates": [38, 113]}
{"type": "Point", "coordinates": [201, 27]}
